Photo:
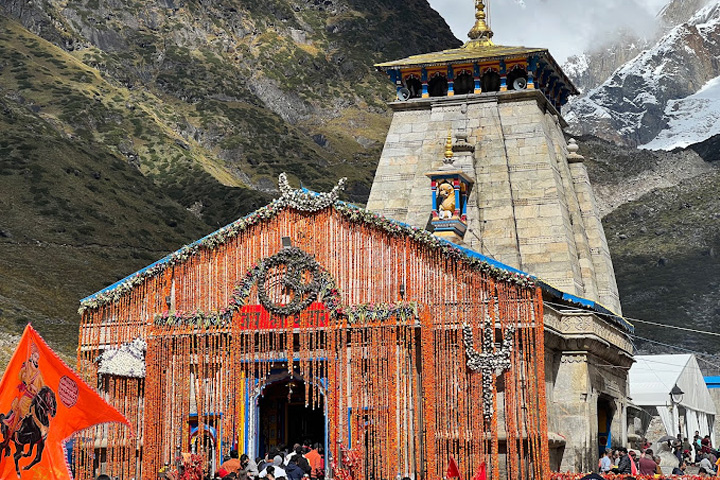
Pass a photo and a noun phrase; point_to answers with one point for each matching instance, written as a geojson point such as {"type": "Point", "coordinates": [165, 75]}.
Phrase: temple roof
{"type": "Point", "coordinates": [355, 214]}
{"type": "Point", "coordinates": [473, 52]}
{"type": "Point", "coordinates": [480, 48]}
{"type": "Point", "coordinates": [470, 52]}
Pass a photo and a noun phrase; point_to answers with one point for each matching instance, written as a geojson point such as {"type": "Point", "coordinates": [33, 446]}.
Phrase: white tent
{"type": "Point", "coordinates": [653, 376]}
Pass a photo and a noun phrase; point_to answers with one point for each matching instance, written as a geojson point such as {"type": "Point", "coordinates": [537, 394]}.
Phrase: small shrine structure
{"type": "Point", "coordinates": [314, 319]}
{"type": "Point", "coordinates": [480, 66]}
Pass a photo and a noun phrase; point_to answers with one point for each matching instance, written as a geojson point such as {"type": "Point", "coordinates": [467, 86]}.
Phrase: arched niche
{"type": "Point", "coordinates": [464, 82]}
{"type": "Point", "coordinates": [490, 81]}
{"type": "Point", "coordinates": [517, 72]}
{"type": "Point", "coordinates": [438, 85]}
{"type": "Point", "coordinates": [414, 85]}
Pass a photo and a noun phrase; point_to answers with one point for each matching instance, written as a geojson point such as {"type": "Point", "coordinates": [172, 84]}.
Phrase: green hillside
{"type": "Point", "coordinates": [132, 128]}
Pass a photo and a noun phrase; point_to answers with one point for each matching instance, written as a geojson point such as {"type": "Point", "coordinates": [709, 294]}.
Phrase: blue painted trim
{"type": "Point", "coordinates": [712, 382]}
{"type": "Point", "coordinates": [349, 427]}
{"type": "Point", "coordinates": [246, 441]}
{"type": "Point", "coordinates": [165, 259]}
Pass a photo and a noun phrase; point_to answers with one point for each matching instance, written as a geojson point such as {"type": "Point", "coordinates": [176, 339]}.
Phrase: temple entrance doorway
{"type": "Point", "coordinates": [605, 413]}
{"type": "Point", "coordinates": [284, 418]}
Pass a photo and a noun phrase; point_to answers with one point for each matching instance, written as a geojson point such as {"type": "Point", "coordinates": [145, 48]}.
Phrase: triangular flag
{"type": "Point", "coordinates": [717, 470]}
{"type": "Point", "coordinates": [42, 403]}
{"type": "Point", "coordinates": [452, 470]}
{"type": "Point", "coordinates": [481, 473]}
{"type": "Point", "coordinates": [633, 467]}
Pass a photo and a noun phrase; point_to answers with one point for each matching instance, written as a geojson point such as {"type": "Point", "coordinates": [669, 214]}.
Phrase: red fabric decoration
{"type": "Point", "coordinates": [452, 470]}
{"type": "Point", "coordinates": [481, 473]}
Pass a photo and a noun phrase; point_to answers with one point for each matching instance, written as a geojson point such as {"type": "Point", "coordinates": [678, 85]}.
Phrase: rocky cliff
{"type": "Point", "coordinates": [644, 101]}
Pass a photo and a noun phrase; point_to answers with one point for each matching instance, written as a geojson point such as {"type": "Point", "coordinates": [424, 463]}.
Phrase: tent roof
{"type": "Point", "coordinates": [653, 376]}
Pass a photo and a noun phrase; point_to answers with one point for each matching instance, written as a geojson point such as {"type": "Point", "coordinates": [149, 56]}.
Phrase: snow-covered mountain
{"type": "Point", "coordinates": [662, 97]}
{"type": "Point", "coordinates": [690, 120]}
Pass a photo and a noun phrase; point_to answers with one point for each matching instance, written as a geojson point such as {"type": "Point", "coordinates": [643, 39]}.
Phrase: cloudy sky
{"type": "Point", "coordinates": [566, 27]}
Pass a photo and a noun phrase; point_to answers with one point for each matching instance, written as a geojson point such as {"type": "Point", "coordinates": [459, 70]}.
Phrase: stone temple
{"type": "Point", "coordinates": [476, 153]}
{"type": "Point", "coordinates": [497, 339]}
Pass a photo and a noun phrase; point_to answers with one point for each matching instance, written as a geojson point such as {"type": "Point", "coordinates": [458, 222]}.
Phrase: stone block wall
{"type": "Point", "coordinates": [586, 362]}
{"type": "Point", "coordinates": [529, 207]}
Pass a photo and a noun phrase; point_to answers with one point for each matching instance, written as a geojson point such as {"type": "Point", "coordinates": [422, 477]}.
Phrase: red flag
{"type": "Point", "coordinates": [633, 467]}
{"type": "Point", "coordinates": [42, 403]}
{"type": "Point", "coordinates": [481, 473]}
{"type": "Point", "coordinates": [452, 470]}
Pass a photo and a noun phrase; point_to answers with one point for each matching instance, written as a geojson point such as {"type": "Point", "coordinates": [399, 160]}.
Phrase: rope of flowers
{"type": "Point", "coordinates": [305, 201]}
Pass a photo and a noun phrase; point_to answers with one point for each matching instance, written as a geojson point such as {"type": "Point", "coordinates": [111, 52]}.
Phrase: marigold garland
{"type": "Point", "coordinates": [380, 349]}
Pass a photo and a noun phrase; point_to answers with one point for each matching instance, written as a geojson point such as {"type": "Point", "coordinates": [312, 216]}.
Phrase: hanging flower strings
{"type": "Point", "coordinates": [370, 321]}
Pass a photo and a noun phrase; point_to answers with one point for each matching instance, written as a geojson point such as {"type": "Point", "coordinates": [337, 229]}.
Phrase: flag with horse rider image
{"type": "Point", "coordinates": [43, 402]}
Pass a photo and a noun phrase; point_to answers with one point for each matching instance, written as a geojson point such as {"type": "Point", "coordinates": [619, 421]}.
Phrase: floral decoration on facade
{"type": "Point", "coordinates": [306, 200]}
{"type": "Point", "coordinates": [491, 361]}
{"type": "Point", "coordinates": [379, 312]}
{"type": "Point", "coordinates": [301, 279]}
{"type": "Point", "coordinates": [351, 212]}
{"type": "Point", "coordinates": [126, 361]}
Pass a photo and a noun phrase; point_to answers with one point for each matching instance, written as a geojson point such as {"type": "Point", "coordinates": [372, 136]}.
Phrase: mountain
{"type": "Point", "coordinates": [132, 128]}
{"type": "Point", "coordinates": [645, 101]}
{"type": "Point", "coordinates": [659, 204]}
{"type": "Point", "coordinates": [589, 69]}
{"type": "Point", "coordinates": [661, 215]}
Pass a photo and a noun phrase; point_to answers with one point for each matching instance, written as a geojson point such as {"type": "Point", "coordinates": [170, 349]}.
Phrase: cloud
{"type": "Point", "coordinates": [566, 27]}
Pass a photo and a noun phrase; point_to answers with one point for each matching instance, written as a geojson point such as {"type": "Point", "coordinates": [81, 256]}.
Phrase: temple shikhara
{"type": "Point", "coordinates": [449, 319]}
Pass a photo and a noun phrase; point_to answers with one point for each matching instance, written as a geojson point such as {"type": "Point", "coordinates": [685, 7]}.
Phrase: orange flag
{"type": "Point", "coordinates": [42, 403]}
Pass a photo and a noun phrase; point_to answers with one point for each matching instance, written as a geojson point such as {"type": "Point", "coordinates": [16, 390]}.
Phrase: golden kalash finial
{"type": "Point", "coordinates": [480, 34]}
{"type": "Point", "coordinates": [448, 149]}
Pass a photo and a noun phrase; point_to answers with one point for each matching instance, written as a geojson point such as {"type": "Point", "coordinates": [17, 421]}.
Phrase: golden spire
{"type": "Point", "coordinates": [448, 148]}
{"type": "Point", "coordinates": [480, 34]}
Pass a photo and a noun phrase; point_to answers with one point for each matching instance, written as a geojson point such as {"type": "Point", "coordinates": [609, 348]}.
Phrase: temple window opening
{"type": "Point", "coordinates": [464, 83]}
{"type": "Point", "coordinates": [517, 79]}
{"type": "Point", "coordinates": [491, 81]}
{"type": "Point", "coordinates": [438, 85]}
{"type": "Point", "coordinates": [414, 84]}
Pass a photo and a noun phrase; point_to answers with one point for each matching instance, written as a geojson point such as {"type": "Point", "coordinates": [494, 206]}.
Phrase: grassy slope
{"type": "Point", "coordinates": [73, 225]}
{"type": "Point", "coordinates": [103, 150]}
{"type": "Point", "coordinates": [76, 215]}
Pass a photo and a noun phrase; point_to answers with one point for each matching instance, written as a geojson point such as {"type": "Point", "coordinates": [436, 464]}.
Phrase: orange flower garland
{"type": "Point", "coordinates": [396, 389]}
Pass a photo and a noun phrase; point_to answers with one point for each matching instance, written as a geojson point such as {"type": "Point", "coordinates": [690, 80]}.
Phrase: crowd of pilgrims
{"type": "Point", "coordinates": [700, 454]}
{"type": "Point", "coordinates": [302, 462]}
